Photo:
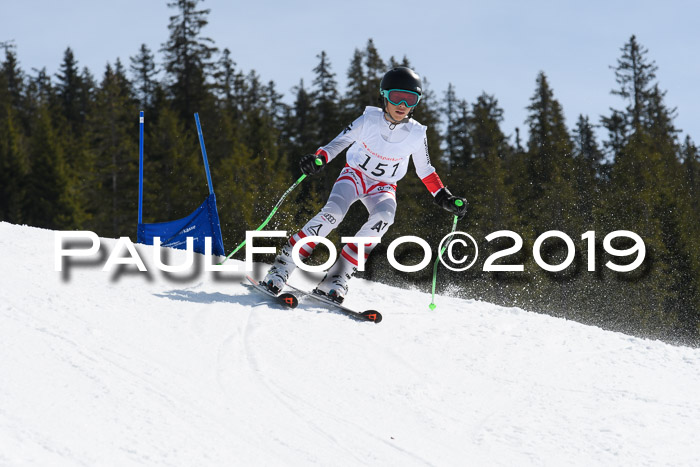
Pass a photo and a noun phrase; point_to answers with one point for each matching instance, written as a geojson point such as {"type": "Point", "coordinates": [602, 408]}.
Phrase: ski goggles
{"type": "Point", "coordinates": [398, 96]}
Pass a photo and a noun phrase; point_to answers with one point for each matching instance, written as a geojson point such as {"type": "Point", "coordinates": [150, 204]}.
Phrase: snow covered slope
{"type": "Point", "coordinates": [98, 368]}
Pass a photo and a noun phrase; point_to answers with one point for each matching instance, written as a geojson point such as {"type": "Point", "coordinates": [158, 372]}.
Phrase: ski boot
{"type": "Point", "coordinates": [335, 284]}
{"type": "Point", "coordinates": [277, 276]}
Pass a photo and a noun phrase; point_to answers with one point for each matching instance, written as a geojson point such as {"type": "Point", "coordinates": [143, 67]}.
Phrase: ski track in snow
{"type": "Point", "coordinates": [126, 368]}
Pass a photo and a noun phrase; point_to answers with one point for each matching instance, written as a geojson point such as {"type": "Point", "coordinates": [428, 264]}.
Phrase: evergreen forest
{"type": "Point", "coordinates": [69, 161]}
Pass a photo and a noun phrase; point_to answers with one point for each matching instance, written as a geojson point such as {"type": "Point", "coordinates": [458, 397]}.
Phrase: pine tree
{"type": "Point", "coordinates": [259, 131]}
{"type": "Point", "coordinates": [458, 146]}
{"type": "Point", "coordinates": [144, 72]}
{"type": "Point", "coordinates": [325, 100]}
{"type": "Point", "coordinates": [49, 201]}
{"type": "Point", "coordinates": [302, 137]}
{"type": "Point", "coordinates": [326, 120]}
{"type": "Point", "coordinates": [673, 208]}
{"type": "Point", "coordinates": [690, 314]}
{"type": "Point", "coordinates": [545, 195]}
{"type": "Point", "coordinates": [13, 75]}
{"type": "Point", "coordinates": [69, 83]}
{"type": "Point", "coordinates": [229, 89]}
{"type": "Point", "coordinates": [691, 163]}
{"type": "Point", "coordinates": [252, 95]}
{"type": "Point", "coordinates": [588, 159]}
{"type": "Point", "coordinates": [548, 195]}
{"type": "Point", "coordinates": [73, 91]}
{"type": "Point", "coordinates": [174, 181]}
{"type": "Point", "coordinates": [643, 196]}
{"type": "Point", "coordinates": [491, 199]}
{"type": "Point", "coordinates": [630, 138]}
{"type": "Point", "coordinates": [585, 145]}
{"type": "Point", "coordinates": [486, 134]}
{"type": "Point", "coordinates": [375, 70]}
{"type": "Point", "coordinates": [225, 81]}
{"type": "Point", "coordinates": [393, 63]}
{"type": "Point", "coordinates": [364, 75]}
{"type": "Point", "coordinates": [14, 159]}
{"type": "Point", "coordinates": [634, 75]}
{"type": "Point", "coordinates": [304, 133]}
{"type": "Point", "coordinates": [354, 102]}
{"type": "Point", "coordinates": [276, 108]}
{"type": "Point", "coordinates": [74, 94]}
{"type": "Point", "coordinates": [40, 91]}
{"type": "Point", "coordinates": [112, 129]}
{"type": "Point", "coordinates": [657, 119]}
{"type": "Point", "coordinates": [188, 57]}
{"type": "Point", "coordinates": [261, 120]}
{"type": "Point", "coordinates": [233, 179]}
{"type": "Point", "coordinates": [618, 133]}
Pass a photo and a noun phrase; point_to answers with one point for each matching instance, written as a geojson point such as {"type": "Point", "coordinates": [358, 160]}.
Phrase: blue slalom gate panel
{"type": "Point", "coordinates": [202, 223]}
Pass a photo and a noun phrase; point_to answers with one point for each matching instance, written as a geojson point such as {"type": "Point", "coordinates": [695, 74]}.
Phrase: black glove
{"type": "Point", "coordinates": [455, 204]}
{"type": "Point", "coordinates": [312, 164]}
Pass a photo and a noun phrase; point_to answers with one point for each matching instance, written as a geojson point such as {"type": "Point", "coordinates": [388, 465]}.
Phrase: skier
{"type": "Point", "coordinates": [381, 143]}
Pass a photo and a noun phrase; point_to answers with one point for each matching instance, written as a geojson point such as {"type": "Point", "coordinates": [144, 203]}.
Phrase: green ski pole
{"type": "Point", "coordinates": [274, 210]}
{"type": "Point", "coordinates": [432, 305]}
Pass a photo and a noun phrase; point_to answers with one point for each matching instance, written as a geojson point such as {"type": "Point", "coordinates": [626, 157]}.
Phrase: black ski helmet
{"type": "Point", "coordinates": [401, 77]}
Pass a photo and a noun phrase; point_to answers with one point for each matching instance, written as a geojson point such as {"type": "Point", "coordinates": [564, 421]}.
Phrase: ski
{"type": "Point", "coordinates": [368, 315]}
{"type": "Point", "coordinates": [287, 300]}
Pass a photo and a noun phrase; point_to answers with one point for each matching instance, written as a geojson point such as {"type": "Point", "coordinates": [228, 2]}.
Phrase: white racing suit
{"type": "Point", "coordinates": [377, 158]}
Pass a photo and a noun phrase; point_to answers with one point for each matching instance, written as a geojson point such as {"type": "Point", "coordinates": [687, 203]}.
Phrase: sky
{"type": "Point", "coordinates": [497, 47]}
